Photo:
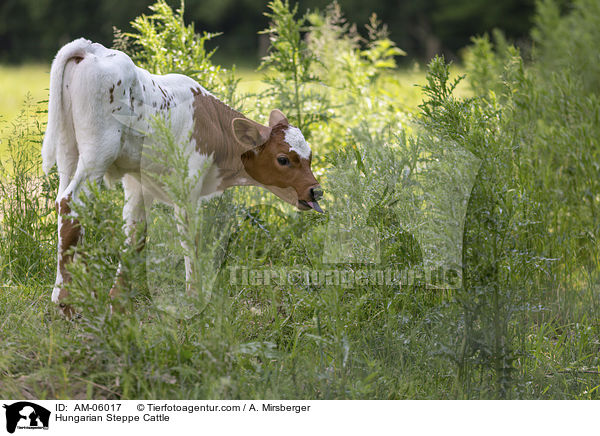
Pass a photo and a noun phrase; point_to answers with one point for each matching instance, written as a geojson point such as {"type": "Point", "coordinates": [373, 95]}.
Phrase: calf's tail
{"type": "Point", "coordinates": [56, 121]}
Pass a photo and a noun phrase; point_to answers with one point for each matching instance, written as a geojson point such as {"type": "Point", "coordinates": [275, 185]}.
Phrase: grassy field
{"type": "Point", "coordinates": [17, 83]}
{"type": "Point", "coordinates": [20, 83]}
{"type": "Point", "coordinates": [457, 257]}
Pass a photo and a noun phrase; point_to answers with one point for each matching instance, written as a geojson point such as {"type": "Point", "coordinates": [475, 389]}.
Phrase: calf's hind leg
{"type": "Point", "coordinates": [69, 230]}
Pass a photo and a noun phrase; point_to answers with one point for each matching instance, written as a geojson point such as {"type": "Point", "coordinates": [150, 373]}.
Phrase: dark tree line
{"type": "Point", "coordinates": [35, 29]}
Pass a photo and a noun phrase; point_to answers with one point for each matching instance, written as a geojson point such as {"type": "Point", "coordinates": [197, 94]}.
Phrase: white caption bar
{"type": "Point", "coordinates": [251, 417]}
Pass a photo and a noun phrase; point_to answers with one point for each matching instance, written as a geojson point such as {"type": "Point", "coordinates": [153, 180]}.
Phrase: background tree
{"type": "Point", "coordinates": [35, 29]}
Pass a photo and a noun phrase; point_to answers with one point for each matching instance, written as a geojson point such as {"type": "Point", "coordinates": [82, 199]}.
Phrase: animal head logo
{"type": "Point", "coordinates": [24, 414]}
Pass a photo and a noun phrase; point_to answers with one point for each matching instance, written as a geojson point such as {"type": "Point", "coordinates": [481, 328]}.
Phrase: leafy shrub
{"type": "Point", "coordinates": [162, 43]}
{"type": "Point", "coordinates": [357, 76]}
{"type": "Point", "coordinates": [28, 224]}
{"type": "Point", "coordinates": [534, 128]}
{"type": "Point", "coordinates": [289, 65]}
{"type": "Point", "coordinates": [568, 43]}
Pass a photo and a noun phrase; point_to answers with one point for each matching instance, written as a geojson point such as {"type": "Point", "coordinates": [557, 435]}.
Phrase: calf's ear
{"type": "Point", "coordinates": [277, 117]}
{"type": "Point", "coordinates": [249, 133]}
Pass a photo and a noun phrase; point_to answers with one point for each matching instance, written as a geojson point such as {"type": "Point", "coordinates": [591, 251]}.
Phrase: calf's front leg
{"type": "Point", "coordinates": [134, 215]}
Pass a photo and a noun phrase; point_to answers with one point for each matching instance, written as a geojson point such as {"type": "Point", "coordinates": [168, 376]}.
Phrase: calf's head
{"type": "Point", "coordinates": [279, 158]}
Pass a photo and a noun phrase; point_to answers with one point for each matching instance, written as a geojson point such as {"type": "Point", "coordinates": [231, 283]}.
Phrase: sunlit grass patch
{"type": "Point", "coordinates": [16, 82]}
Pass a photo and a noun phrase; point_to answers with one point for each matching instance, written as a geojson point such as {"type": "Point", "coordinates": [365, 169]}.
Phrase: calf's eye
{"type": "Point", "coordinates": [283, 161]}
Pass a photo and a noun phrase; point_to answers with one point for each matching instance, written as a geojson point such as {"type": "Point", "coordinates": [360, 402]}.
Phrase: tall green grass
{"type": "Point", "coordinates": [503, 181]}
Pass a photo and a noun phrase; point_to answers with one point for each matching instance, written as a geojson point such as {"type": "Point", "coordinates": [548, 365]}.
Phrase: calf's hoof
{"type": "Point", "coordinates": [58, 294]}
{"type": "Point", "coordinates": [67, 310]}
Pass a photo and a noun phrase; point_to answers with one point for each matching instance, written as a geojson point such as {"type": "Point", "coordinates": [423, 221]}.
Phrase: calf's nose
{"type": "Point", "coordinates": [316, 193]}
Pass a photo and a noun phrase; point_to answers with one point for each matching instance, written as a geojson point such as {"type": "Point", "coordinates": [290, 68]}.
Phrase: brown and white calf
{"type": "Point", "coordinates": [98, 120]}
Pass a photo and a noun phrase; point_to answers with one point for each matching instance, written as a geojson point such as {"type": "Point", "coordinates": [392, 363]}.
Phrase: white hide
{"type": "Point", "coordinates": [99, 112]}
{"type": "Point", "coordinates": [295, 138]}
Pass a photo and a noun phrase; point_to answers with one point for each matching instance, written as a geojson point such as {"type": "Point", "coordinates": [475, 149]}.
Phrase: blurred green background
{"type": "Point", "coordinates": [33, 30]}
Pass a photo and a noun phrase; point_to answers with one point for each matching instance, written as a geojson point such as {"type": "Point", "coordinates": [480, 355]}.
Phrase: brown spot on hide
{"type": "Point", "coordinates": [69, 233]}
